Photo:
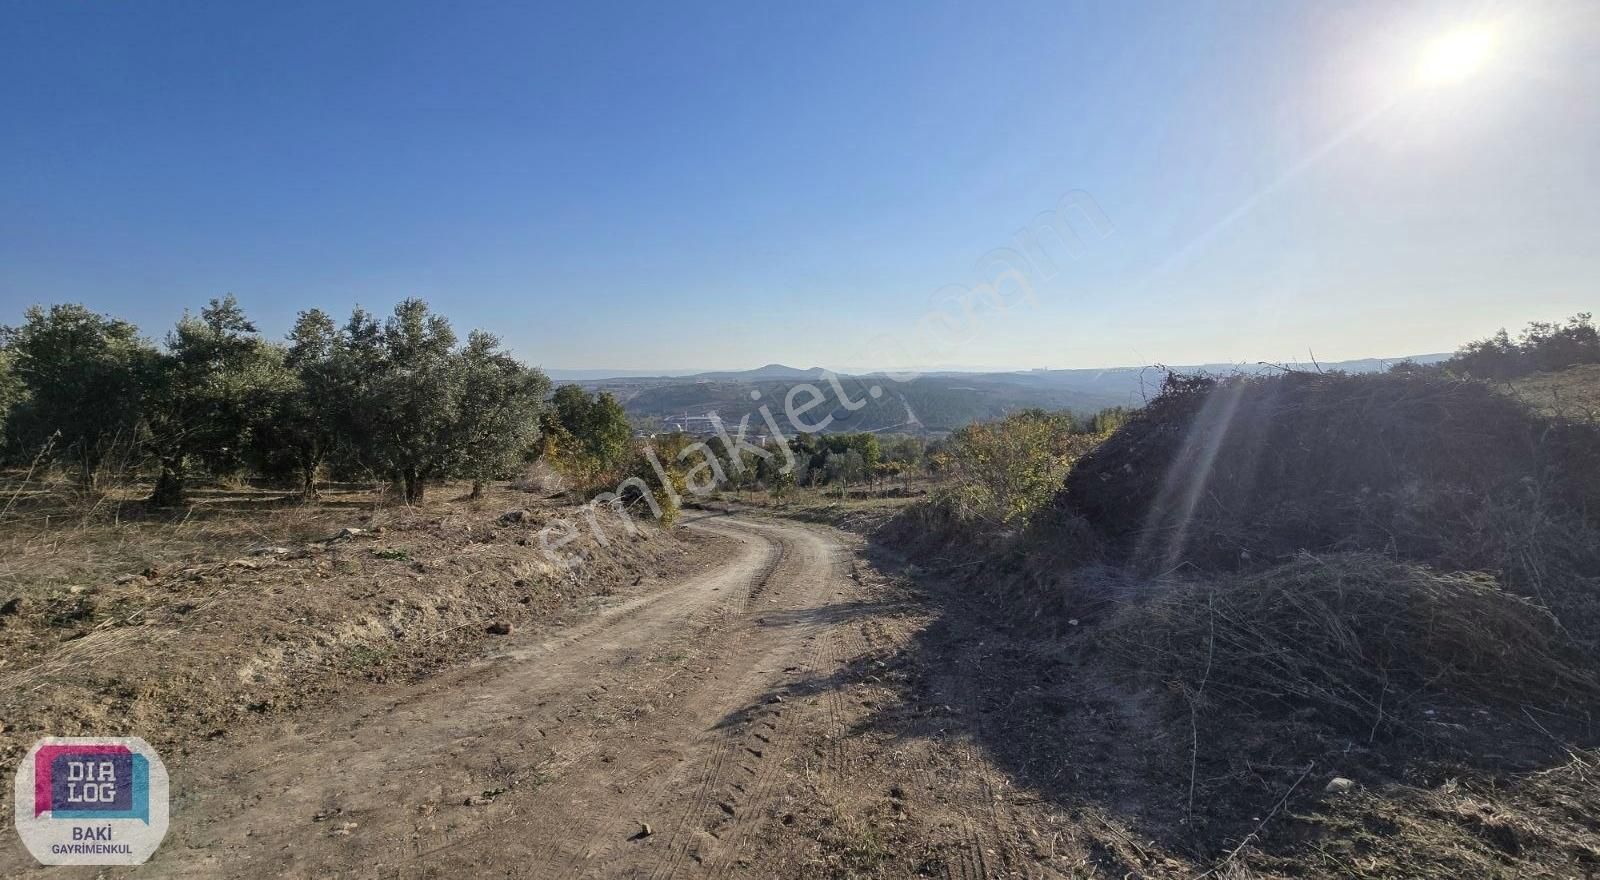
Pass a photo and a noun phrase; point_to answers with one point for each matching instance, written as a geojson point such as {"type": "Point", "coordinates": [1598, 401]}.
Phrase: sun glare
{"type": "Point", "coordinates": [1455, 56]}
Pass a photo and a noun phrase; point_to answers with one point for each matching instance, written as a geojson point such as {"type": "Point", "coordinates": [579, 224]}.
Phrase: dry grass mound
{"type": "Point", "coordinates": [1222, 473]}
{"type": "Point", "coordinates": [1356, 641]}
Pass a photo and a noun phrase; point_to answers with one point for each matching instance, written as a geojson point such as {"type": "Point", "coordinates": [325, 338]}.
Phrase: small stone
{"type": "Point", "coordinates": [645, 830]}
{"type": "Point", "coordinates": [1339, 785]}
{"type": "Point", "coordinates": [349, 532]}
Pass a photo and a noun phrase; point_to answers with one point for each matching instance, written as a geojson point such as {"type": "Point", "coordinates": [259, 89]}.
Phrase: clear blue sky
{"type": "Point", "coordinates": [638, 187]}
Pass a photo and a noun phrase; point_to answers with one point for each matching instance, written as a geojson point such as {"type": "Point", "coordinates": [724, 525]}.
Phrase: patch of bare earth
{"type": "Point", "coordinates": [931, 703]}
{"type": "Point", "coordinates": [757, 698]}
{"type": "Point", "coordinates": [964, 741]}
{"type": "Point", "coordinates": [646, 739]}
{"type": "Point", "coordinates": [182, 629]}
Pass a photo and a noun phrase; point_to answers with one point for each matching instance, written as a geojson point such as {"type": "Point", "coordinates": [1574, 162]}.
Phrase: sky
{"type": "Point", "coordinates": [723, 186]}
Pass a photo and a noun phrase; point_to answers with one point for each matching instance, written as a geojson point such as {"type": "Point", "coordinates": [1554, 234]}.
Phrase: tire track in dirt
{"type": "Point", "coordinates": [778, 747]}
{"type": "Point", "coordinates": [594, 844]}
{"type": "Point", "coordinates": [570, 737]}
{"type": "Point", "coordinates": [603, 833]}
{"type": "Point", "coordinates": [731, 794]}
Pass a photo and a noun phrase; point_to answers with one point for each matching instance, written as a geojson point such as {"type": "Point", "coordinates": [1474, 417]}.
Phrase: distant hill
{"type": "Point", "coordinates": [770, 372]}
{"type": "Point", "coordinates": [930, 403]}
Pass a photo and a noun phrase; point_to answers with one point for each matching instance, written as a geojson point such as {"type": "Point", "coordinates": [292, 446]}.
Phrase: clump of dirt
{"type": "Point", "coordinates": [196, 647]}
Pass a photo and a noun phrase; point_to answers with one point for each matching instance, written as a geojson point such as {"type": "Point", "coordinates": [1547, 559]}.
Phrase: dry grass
{"type": "Point", "coordinates": [1392, 579]}
{"type": "Point", "coordinates": [179, 625]}
{"type": "Point", "coordinates": [1362, 642]}
{"type": "Point", "coordinates": [1573, 393]}
{"type": "Point", "coordinates": [1225, 474]}
{"type": "Point", "coordinates": [51, 538]}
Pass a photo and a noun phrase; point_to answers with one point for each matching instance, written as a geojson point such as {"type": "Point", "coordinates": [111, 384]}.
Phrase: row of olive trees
{"type": "Point", "coordinates": [401, 398]}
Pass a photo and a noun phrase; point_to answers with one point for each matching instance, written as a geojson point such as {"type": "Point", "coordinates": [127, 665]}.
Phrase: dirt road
{"type": "Point", "coordinates": [547, 758]}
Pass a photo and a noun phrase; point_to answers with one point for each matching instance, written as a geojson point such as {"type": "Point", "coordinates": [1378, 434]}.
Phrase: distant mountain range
{"type": "Point", "coordinates": [770, 371]}
{"type": "Point", "coordinates": [928, 403]}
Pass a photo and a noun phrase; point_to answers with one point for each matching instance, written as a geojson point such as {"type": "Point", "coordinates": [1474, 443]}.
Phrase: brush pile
{"type": "Point", "coordinates": [1218, 472]}
{"type": "Point", "coordinates": [1351, 549]}
{"type": "Point", "coordinates": [1357, 641]}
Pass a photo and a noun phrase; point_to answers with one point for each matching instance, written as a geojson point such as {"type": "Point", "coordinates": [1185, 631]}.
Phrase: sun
{"type": "Point", "coordinates": [1455, 56]}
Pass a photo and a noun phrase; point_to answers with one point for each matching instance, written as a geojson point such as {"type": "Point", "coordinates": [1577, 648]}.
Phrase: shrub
{"type": "Point", "coordinates": [1004, 471]}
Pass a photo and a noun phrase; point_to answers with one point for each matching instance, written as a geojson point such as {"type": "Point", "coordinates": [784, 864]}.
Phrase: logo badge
{"type": "Point", "coordinates": [91, 800]}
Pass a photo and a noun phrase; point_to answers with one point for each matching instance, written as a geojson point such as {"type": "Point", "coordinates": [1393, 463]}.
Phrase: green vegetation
{"type": "Point", "coordinates": [1004, 471]}
{"type": "Point", "coordinates": [1541, 348]}
{"type": "Point", "coordinates": [586, 436]}
{"type": "Point", "coordinates": [397, 400]}
{"type": "Point", "coordinates": [74, 385]}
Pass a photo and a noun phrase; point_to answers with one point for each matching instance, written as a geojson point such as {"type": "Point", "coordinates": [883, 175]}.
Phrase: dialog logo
{"type": "Point", "coordinates": [91, 801]}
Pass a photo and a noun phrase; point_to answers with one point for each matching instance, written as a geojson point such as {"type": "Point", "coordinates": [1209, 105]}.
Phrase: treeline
{"type": "Point", "coordinates": [402, 399]}
{"type": "Point", "coordinates": [780, 464]}
{"type": "Point", "coordinates": [1541, 348]}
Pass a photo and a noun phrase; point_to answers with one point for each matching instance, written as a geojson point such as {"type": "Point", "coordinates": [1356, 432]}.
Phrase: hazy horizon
{"type": "Point", "coordinates": [585, 373]}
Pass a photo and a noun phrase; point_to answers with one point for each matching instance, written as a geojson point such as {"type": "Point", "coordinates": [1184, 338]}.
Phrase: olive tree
{"type": "Point", "coordinates": [215, 380]}
{"type": "Point", "coordinates": [497, 412]}
{"type": "Point", "coordinates": [302, 425]}
{"type": "Point", "coordinates": [77, 376]}
{"type": "Point", "coordinates": [406, 400]}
